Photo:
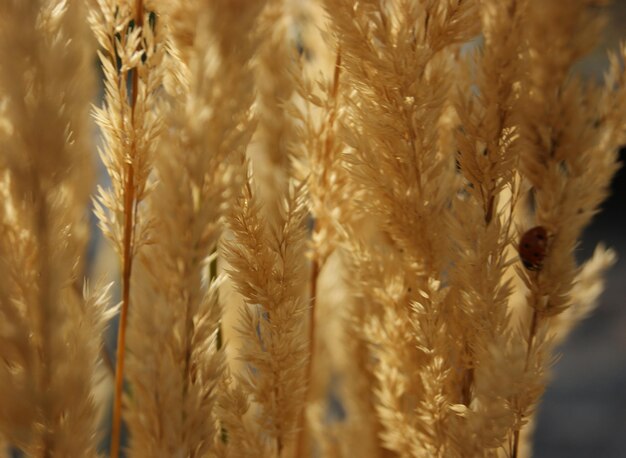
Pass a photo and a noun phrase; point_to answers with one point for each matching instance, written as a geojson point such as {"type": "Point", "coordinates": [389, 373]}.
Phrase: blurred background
{"type": "Point", "coordinates": [583, 413]}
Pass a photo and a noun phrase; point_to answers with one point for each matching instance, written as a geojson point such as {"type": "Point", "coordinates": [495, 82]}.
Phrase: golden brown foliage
{"type": "Point", "coordinates": [51, 328]}
{"type": "Point", "coordinates": [361, 172]}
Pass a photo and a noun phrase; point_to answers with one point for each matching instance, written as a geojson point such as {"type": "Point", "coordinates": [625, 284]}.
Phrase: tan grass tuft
{"type": "Point", "coordinates": [267, 266]}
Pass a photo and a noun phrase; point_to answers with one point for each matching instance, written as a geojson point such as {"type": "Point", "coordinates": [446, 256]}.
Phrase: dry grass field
{"type": "Point", "coordinates": [328, 228]}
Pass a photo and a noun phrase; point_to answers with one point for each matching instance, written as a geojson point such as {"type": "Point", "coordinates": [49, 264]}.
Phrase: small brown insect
{"type": "Point", "coordinates": [533, 247]}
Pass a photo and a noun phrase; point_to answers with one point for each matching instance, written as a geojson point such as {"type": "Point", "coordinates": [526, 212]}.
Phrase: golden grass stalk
{"type": "Point", "coordinates": [481, 228]}
{"type": "Point", "coordinates": [568, 154]}
{"type": "Point", "coordinates": [131, 52]}
{"type": "Point", "coordinates": [405, 181]}
{"type": "Point", "coordinates": [173, 408]}
{"type": "Point", "coordinates": [317, 160]}
{"type": "Point", "coordinates": [267, 266]}
{"type": "Point", "coordinates": [50, 332]}
{"type": "Point", "coordinates": [336, 331]}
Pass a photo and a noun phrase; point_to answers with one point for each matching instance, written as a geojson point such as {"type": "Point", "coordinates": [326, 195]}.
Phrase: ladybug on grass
{"type": "Point", "coordinates": [533, 247]}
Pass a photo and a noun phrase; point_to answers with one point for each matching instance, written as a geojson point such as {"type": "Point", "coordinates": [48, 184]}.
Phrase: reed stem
{"type": "Point", "coordinates": [127, 264]}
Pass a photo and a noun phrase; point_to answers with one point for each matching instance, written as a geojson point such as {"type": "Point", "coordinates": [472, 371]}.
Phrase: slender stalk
{"type": "Point", "coordinates": [315, 268]}
{"type": "Point", "coordinates": [121, 337]}
{"type": "Point", "coordinates": [531, 338]}
{"type": "Point", "coordinates": [127, 264]}
{"type": "Point", "coordinates": [317, 264]}
{"type": "Point", "coordinates": [302, 433]}
{"type": "Point", "coordinates": [468, 376]}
